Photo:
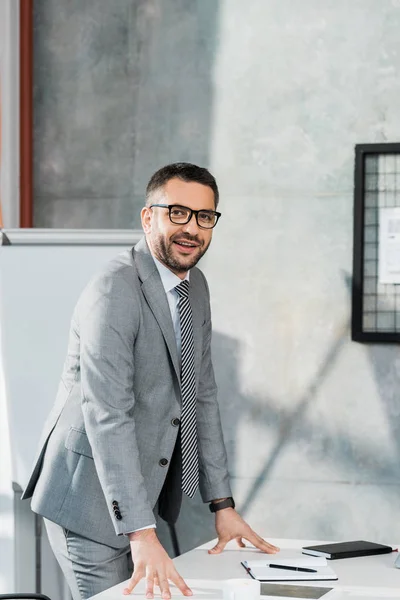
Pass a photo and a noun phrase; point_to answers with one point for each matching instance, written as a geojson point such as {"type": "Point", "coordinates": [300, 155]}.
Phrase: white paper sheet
{"type": "Point", "coordinates": [389, 245]}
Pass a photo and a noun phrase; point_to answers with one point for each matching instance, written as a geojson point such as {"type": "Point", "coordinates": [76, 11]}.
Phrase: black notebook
{"type": "Point", "coordinates": [347, 549]}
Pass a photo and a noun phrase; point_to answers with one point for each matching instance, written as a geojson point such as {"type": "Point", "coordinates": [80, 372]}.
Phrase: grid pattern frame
{"type": "Point", "coordinates": [376, 306]}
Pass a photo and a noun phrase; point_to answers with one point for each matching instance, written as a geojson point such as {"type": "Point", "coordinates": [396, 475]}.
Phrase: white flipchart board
{"type": "Point", "coordinates": [42, 273]}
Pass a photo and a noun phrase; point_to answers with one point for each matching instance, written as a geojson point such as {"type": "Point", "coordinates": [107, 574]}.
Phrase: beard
{"type": "Point", "coordinates": [164, 252]}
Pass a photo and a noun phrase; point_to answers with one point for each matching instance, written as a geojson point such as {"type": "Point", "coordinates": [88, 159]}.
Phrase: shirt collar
{"type": "Point", "coordinates": [168, 278]}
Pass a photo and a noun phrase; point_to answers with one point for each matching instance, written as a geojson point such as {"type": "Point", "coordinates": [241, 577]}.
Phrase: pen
{"type": "Point", "coordinates": [302, 569]}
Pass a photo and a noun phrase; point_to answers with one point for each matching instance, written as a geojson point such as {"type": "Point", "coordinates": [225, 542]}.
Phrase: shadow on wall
{"type": "Point", "coordinates": [356, 459]}
{"type": "Point", "coordinates": [121, 89]}
{"type": "Point", "coordinates": [385, 362]}
{"type": "Point", "coordinates": [267, 411]}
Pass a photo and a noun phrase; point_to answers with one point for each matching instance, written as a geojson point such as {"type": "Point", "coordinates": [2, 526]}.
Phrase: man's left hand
{"type": "Point", "coordinates": [230, 525]}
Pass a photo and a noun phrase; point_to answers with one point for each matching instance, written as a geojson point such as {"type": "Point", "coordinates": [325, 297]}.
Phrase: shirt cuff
{"type": "Point", "coordinates": [153, 526]}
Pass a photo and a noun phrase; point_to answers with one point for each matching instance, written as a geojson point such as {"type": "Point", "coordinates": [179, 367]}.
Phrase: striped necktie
{"type": "Point", "coordinates": [190, 461]}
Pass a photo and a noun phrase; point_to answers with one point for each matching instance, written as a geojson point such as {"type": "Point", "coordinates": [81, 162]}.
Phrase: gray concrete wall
{"type": "Point", "coordinates": [120, 88]}
{"type": "Point", "coordinates": [272, 95]}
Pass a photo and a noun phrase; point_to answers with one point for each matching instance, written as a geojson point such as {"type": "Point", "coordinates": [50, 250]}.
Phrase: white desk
{"type": "Point", "coordinates": [369, 577]}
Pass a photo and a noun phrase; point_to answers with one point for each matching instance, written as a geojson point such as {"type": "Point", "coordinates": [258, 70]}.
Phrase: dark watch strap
{"type": "Point", "coordinates": [227, 503]}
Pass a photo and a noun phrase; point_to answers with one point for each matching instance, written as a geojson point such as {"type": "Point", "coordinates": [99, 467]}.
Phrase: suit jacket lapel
{"type": "Point", "coordinates": [156, 298]}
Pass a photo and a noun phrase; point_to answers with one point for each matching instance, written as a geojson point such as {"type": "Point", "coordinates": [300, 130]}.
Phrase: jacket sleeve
{"type": "Point", "coordinates": [214, 476]}
{"type": "Point", "coordinates": [108, 320]}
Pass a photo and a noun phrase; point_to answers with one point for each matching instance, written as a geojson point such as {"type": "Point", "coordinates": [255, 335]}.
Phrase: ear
{"type": "Point", "coordinates": [146, 216]}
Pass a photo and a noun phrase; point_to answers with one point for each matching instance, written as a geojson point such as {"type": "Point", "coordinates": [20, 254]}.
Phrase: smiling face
{"type": "Point", "coordinates": [178, 247]}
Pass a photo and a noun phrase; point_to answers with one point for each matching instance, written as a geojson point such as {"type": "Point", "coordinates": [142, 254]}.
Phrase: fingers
{"type": "Point", "coordinates": [134, 580]}
{"type": "Point", "coordinates": [218, 548]}
{"type": "Point", "coordinates": [150, 584]}
{"type": "Point", "coordinates": [240, 542]}
{"type": "Point", "coordinates": [181, 584]}
{"type": "Point", "coordinates": [164, 587]}
{"type": "Point", "coordinates": [261, 544]}
{"type": "Point", "coordinates": [159, 579]}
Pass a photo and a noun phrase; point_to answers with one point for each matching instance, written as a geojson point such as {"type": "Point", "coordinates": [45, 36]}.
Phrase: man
{"type": "Point", "coordinates": [136, 419]}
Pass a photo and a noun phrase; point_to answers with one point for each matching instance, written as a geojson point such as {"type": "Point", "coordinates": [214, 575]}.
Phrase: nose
{"type": "Point", "coordinates": [192, 228]}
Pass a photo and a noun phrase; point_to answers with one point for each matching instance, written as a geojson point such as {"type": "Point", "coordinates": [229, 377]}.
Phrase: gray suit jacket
{"type": "Point", "coordinates": [114, 419]}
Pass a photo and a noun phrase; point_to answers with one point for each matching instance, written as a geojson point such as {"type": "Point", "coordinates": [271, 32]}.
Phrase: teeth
{"type": "Point", "coordinates": [186, 244]}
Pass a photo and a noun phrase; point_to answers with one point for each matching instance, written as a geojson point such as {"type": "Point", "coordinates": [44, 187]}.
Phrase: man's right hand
{"type": "Point", "coordinates": [152, 562]}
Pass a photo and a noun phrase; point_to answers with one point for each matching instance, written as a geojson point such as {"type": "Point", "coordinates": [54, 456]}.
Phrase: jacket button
{"type": "Point", "coordinates": [175, 422]}
{"type": "Point", "coordinates": [118, 516]}
{"type": "Point", "coordinates": [114, 503]}
{"type": "Point", "coordinates": [163, 462]}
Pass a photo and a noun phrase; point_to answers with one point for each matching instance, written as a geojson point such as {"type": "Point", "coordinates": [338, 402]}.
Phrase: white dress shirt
{"type": "Point", "coordinates": [170, 281]}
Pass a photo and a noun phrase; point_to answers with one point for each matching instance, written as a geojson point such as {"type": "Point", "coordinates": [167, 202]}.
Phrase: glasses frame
{"type": "Point", "coordinates": [191, 213]}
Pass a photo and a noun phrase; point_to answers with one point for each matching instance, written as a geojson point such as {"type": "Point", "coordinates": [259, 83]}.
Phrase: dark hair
{"type": "Point", "coordinates": [185, 172]}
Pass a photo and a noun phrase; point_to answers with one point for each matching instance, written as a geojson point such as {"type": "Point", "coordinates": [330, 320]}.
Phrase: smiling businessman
{"type": "Point", "coordinates": [136, 420]}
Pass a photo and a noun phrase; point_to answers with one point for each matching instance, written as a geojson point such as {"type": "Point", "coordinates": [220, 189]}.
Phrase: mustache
{"type": "Point", "coordinates": [186, 237]}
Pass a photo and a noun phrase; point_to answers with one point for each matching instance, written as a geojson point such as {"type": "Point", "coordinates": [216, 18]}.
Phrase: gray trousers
{"type": "Point", "coordinates": [89, 567]}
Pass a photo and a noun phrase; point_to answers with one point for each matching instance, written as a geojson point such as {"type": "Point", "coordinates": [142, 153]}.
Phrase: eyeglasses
{"type": "Point", "coordinates": [180, 215]}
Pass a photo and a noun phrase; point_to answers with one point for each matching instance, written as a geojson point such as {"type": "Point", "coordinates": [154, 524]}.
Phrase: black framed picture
{"type": "Point", "coordinates": [376, 250]}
